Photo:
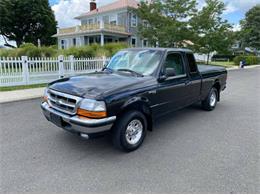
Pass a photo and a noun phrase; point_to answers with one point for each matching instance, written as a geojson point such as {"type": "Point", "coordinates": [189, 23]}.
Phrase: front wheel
{"type": "Point", "coordinates": [129, 132]}
{"type": "Point", "coordinates": [211, 100]}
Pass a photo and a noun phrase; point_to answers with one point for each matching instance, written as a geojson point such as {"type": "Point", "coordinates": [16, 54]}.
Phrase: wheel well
{"type": "Point", "coordinates": [217, 86]}
{"type": "Point", "coordinates": [141, 107]}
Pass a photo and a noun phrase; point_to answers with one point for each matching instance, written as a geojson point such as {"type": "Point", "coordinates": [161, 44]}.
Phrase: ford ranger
{"type": "Point", "coordinates": [126, 97]}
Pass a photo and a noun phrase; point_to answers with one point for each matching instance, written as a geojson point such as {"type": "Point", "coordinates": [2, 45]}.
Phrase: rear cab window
{"type": "Point", "coordinates": [192, 63]}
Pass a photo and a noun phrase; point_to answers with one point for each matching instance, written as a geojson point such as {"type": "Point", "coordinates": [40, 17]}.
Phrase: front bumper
{"type": "Point", "coordinates": [76, 124]}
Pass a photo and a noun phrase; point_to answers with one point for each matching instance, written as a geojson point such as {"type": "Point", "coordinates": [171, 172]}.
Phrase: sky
{"type": "Point", "coordinates": [66, 10]}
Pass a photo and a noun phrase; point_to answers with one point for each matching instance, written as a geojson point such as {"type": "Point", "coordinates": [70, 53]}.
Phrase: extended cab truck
{"type": "Point", "coordinates": [131, 92]}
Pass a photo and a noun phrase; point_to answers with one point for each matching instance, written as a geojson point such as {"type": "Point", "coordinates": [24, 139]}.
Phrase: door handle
{"type": "Point", "coordinates": [187, 82]}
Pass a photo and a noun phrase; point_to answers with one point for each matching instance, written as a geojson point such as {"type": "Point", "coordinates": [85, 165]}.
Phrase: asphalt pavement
{"type": "Point", "coordinates": [189, 151]}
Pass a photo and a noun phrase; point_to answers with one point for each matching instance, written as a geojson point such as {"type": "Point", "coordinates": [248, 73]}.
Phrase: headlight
{"type": "Point", "coordinates": [93, 105]}
{"type": "Point", "coordinates": [92, 109]}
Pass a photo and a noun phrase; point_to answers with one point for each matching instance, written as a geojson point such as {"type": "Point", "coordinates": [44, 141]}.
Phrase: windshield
{"type": "Point", "coordinates": [140, 61]}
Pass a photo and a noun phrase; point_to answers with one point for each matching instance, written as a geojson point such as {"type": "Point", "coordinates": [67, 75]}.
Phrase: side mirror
{"type": "Point", "coordinates": [170, 72]}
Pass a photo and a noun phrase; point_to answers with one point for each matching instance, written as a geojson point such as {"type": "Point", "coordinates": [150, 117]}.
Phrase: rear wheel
{"type": "Point", "coordinates": [129, 132]}
{"type": "Point", "coordinates": [211, 100]}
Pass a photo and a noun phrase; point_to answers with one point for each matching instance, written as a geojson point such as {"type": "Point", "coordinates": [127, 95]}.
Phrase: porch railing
{"type": "Point", "coordinates": [92, 27]}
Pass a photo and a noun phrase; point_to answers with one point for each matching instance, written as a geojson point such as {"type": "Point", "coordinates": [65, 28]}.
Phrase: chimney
{"type": "Point", "coordinates": [93, 5]}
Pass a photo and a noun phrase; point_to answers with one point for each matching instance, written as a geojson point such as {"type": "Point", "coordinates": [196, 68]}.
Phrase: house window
{"type": "Point", "coordinates": [145, 43]}
{"type": "Point", "coordinates": [63, 44]}
{"type": "Point", "coordinates": [133, 42]}
{"type": "Point", "coordinates": [90, 21]}
{"type": "Point", "coordinates": [133, 20]}
{"type": "Point", "coordinates": [113, 19]}
{"type": "Point", "coordinates": [145, 23]}
{"type": "Point", "coordinates": [74, 42]}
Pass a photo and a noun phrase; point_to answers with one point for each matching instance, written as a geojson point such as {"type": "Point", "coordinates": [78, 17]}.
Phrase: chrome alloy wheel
{"type": "Point", "coordinates": [213, 99]}
{"type": "Point", "coordinates": [134, 131]}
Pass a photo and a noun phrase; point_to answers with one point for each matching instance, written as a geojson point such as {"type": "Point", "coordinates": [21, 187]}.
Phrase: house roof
{"type": "Point", "coordinates": [119, 4]}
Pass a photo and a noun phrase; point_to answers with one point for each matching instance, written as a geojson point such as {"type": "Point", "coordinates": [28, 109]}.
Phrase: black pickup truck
{"type": "Point", "coordinates": [135, 88]}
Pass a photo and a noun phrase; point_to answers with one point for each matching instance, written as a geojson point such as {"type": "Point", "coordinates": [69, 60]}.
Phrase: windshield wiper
{"type": "Point", "coordinates": [109, 69]}
{"type": "Point", "coordinates": [131, 71]}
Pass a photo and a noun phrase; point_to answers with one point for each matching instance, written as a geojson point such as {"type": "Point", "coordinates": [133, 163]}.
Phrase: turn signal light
{"type": "Point", "coordinates": [91, 114]}
{"type": "Point", "coordinates": [45, 99]}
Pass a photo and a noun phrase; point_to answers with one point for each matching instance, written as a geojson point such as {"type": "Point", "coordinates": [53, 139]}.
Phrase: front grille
{"type": "Point", "coordinates": [63, 102]}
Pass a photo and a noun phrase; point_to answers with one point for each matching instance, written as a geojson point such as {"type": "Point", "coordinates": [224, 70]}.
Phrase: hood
{"type": "Point", "coordinates": [97, 84]}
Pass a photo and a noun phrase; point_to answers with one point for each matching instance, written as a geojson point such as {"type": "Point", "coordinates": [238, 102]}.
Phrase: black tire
{"type": "Point", "coordinates": [210, 104]}
{"type": "Point", "coordinates": [120, 138]}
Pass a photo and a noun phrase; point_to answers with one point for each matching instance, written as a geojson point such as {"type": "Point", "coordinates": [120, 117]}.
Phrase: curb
{"type": "Point", "coordinates": [246, 67]}
{"type": "Point", "coordinates": [20, 99]}
{"type": "Point", "coordinates": [20, 95]}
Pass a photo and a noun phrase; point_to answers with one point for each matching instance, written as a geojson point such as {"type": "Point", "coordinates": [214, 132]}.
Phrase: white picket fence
{"type": "Point", "coordinates": [26, 71]}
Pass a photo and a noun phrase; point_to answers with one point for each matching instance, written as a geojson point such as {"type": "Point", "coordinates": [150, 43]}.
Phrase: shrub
{"type": "Point", "coordinates": [4, 52]}
{"type": "Point", "coordinates": [95, 47]}
{"type": "Point", "coordinates": [250, 60]}
{"type": "Point", "coordinates": [114, 47]}
{"type": "Point", "coordinates": [78, 52]}
{"type": "Point", "coordinates": [48, 51]}
{"type": "Point", "coordinates": [101, 52]}
{"type": "Point", "coordinates": [27, 45]}
{"type": "Point", "coordinates": [30, 50]}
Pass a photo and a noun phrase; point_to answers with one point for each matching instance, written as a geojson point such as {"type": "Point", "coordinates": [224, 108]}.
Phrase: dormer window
{"type": "Point", "coordinates": [133, 20]}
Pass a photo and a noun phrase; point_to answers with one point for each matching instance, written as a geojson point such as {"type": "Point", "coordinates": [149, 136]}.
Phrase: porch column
{"type": "Point", "coordinates": [102, 39]}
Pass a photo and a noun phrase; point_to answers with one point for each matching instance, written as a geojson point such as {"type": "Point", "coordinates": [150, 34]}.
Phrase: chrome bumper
{"type": "Point", "coordinates": [76, 124]}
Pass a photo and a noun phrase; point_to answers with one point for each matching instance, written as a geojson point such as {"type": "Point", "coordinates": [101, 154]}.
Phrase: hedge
{"type": "Point", "coordinates": [250, 60]}
{"type": "Point", "coordinates": [94, 50]}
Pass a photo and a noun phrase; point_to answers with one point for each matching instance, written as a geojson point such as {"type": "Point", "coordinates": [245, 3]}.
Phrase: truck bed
{"type": "Point", "coordinates": [204, 69]}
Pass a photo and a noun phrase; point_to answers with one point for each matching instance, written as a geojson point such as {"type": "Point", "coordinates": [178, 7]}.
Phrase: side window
{"type": "Point", "coordinates": [174, 60]}
{"type": "Point", "coordinates": [133, 20]}
{"type": "Point", "coordinates": [63, 44]}
{"type": "Point", "coordinates": [192, 63]}
{"type": "Point", "coordinates": [74, 42]}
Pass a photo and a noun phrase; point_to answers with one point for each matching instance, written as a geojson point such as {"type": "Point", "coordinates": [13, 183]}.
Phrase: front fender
{"type": "Point", "coordinates": [136, 100]}
{"type": "Point", "coordinates": [141, 104]}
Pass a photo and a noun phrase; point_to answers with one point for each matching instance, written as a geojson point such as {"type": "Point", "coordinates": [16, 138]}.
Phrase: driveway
{"type": "Point", "coordinates": [189, 151]}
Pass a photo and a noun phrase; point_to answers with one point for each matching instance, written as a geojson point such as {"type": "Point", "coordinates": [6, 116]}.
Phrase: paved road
{"type": "Point", "coordinates": [190, 151]}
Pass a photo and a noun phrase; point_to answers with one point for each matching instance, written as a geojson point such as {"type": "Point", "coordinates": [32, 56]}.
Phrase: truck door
{"type": "Point", "coordinates": [172, 92]}
{"type": "Point", "coordinates": [194, 86]}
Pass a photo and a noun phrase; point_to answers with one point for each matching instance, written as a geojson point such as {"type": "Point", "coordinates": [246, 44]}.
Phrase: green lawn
{"type": "Point", "coordinates": [12, 88]}
{"type": "Point", "coordinates": [225, 64]}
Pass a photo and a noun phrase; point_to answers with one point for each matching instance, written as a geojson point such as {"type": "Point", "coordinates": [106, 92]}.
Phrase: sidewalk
{"type": "Point", "coordinates": [11, 96]}
{"type": "Point", "coordinates": [17, 95]}
{"type": "Point", "coordinates": [246, 67]}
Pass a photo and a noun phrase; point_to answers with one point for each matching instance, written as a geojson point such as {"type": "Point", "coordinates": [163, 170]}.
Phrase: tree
{"type": "Point", "coordinates": [27, 21]}
{"type": "Point", "coordinates": [166, 21]}
{"type": "Point", "coordinates": [211, 32]}
{"type": "Point", "coordinates": [251, 28]}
